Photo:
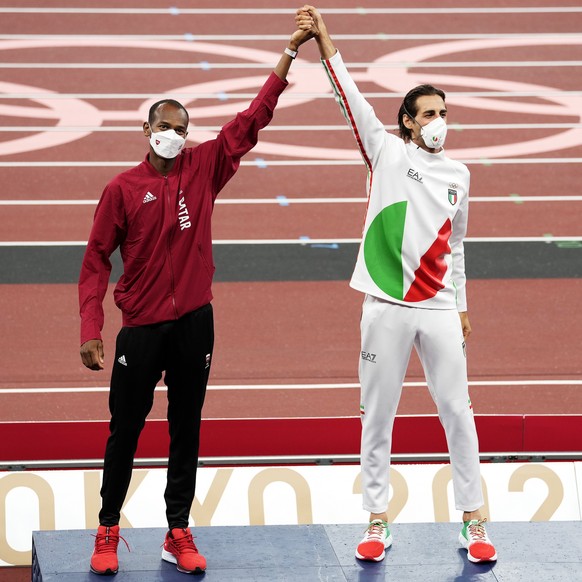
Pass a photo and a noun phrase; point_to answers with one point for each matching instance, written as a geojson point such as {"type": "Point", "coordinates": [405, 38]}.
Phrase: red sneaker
{"type": "Point", "coordinates": [475, 540]}
{"type": "Point", "coordinates": [377, 539]}
{"type": "Point", "coordinates": [104, 558]}
{"type": "Point", "coordinates": [180, 549]}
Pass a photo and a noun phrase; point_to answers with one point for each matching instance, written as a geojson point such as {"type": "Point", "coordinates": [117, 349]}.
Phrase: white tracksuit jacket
{"type": "Point", "coordinates": [412, 246]}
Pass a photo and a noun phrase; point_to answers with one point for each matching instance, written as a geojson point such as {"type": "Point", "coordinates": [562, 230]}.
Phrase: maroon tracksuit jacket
{"type": "Point", "coordinates": [162, 226]}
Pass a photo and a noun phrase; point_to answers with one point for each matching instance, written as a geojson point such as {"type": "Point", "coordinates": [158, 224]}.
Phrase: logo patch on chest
{"type": "Point", "coordinates": [412, 173]}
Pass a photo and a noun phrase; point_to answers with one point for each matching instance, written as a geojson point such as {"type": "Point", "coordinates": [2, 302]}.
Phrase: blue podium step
{"type": "Point", "coordinates": [429, 552]}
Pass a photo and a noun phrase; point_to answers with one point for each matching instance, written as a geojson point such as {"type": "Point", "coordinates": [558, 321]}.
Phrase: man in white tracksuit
{"type": "Point", "coordinates": [411, 267]}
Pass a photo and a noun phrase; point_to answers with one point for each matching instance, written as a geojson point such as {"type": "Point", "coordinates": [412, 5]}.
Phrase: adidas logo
{"type": "Point", "coordinates": [149, 197]}
{"type": "Point", "coordinates": [122, 361]}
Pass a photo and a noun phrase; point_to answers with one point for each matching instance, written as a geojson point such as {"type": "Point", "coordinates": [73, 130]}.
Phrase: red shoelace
{"type": "Point", "coordinates": [185, 544]}
{"type": "Point", "coordinates": [107, 542]}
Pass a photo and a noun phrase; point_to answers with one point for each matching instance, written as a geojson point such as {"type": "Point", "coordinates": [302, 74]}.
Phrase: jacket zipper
{"type": "Point", "coordinates": [172, 291]}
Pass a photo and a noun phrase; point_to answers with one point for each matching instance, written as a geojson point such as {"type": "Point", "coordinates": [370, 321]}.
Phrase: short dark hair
{"type": "Point", "coordinates": [409, 107]}
{"type": "Point", "coordinates": [157, 104]}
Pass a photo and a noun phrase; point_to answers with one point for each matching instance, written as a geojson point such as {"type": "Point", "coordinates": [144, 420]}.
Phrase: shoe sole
{"type": "Point", "coordinates": [465, 543]}
{"type": "Point", "coordinates": [169, 557]}
{"type": "Point", "coordinates": [387, 544]}
{"type": "Point", "coordinates": [107, 572]}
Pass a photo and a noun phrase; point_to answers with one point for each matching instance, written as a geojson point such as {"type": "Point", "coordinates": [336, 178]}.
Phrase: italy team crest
{"type": "Point", "coordinates": [453, 196]}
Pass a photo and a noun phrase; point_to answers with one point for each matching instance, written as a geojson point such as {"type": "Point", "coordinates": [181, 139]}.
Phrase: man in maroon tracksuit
{"type": "Point", "coordinates": [159, 215]}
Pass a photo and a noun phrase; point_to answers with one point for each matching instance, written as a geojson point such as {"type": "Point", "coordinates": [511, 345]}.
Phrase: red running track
{"type": "Point", "coordinates": [524, 330]}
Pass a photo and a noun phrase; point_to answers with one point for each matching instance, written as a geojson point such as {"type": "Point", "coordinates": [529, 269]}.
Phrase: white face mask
{"type": "Point", "coordinates": [167, 144]}
{"type": "Point", "coordinates": [434, 133]}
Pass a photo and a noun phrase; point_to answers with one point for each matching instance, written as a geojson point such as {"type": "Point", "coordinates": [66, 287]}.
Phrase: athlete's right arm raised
{"type": "Point", "coordinates": [241, 134]}
{"type": "Point", "coordinates": [368, 130]}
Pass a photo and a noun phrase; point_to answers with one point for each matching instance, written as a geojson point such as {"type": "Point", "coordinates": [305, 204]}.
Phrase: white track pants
{"type": "Point", "coordinates": [388, 333]}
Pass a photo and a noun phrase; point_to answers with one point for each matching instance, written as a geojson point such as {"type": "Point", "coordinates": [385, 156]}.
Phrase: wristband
{"type": "Point", "coordinates": [291, 53]}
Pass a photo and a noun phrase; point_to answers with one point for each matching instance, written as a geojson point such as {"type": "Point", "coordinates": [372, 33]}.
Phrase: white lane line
{"type": "Point", "coordinates": [304, 241]}
{"type": "Point", "coordinates": [299, 65]}
{"type": "Point", "coordinates": [130, 164]}
{"type": "Point", "coordinates": [310, 241]}
{"type": "Point", "coordinates": [288, 201]}
{"type": "Point", "coordinates": [292, 96]}
{"type": "Point", "coordinates": [383, 36]}
{"type": "Point", "coordinates": [174, 11]}
{"type": "Point", "coordinates": [310, 128]}
{"type": "Point", "coordinates": [302, 162]}
{"type": "Point", "coordinates": [322, 386]}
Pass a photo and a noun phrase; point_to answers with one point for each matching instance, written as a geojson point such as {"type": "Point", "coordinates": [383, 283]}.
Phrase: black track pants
{"type": "Point", "coordinates": [183, 349]}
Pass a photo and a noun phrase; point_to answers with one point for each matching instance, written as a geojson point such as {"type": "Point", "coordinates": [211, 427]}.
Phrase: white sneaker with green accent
{"type": "Point", "coordinates": [475, 540]}
{"type": "Point", "coordinates": [377, 539]}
